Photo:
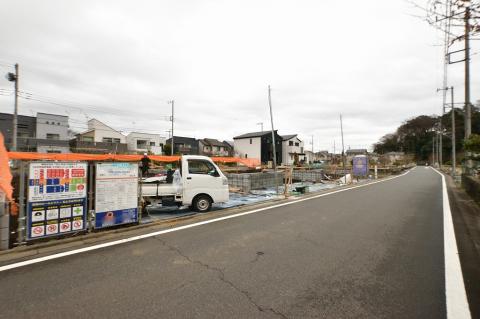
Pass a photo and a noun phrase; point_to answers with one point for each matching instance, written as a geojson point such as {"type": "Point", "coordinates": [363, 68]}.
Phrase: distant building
{"type": "Point", "coordinates": [352, 152]}
{"type": "Point", "coordinates": [26, 131]}
{"type": "Point", "coordinates": [229, 147]}
{"type": "Point", "coordinates": [184, 145]}
{"type": "Point", "coordinates": [292, 150]}
{"type": "Point", "coordinates": [45, 133]}
{"type": "Point", "coordinates": [99, 138]}
{"type": "Point", "coordinates": [258, 145]}
{"type": "Point", "coordinates": [212, 147]}
{"type": "Point", "coordinates": [52, 133]}
{"type": "Point", "coordinates": [145, 143]}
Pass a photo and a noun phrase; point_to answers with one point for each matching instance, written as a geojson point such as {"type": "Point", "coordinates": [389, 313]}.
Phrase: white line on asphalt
{"type": "Point", "coordinates": [455, 294]}
{"type": "Point", "coordinates": [165, 231]}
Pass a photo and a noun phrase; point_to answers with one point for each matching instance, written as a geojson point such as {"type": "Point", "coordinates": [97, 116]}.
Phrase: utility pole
{"type": "Point", "coordinates": [454, 154]}
{"type": "Point", "coordinates": [433, 150]}
{"type": "Point", "coordinates": [13, 77]}
{"type": "Point", "coordinates": [261, 124]}
{"type": "Point", "coordinates": [344, 160]}
{"type": "Point", "coordinates": [312, 145]}
{"type": "Point", "coordinates": [273, 140]}
{"type": "Point", "coordinates": [468, 110]}
{"type": "Point", "coordinates": [173, 120]}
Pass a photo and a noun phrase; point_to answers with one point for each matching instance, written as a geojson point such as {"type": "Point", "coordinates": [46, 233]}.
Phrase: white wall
{"type": "Point", "coordinates": [102, 130]}
{"type": "Point", "coordinates": [155, 138]}
{"type": "Point", "coordinates": [52, 124]}
{"type": "Point", "coordinates": [286, 150]}
{"type": "Point", "coordinates": [243, 147]}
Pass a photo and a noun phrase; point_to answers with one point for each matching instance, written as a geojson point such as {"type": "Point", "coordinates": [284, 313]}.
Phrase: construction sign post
{"type": "Point", "coordinates": [56, 198]}
{"type": "Point", "coordinates": [116, 194]}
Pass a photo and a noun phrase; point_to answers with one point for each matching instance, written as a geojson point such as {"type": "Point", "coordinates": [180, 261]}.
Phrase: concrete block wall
{"type": "Point", "coordinates": [250, 181]}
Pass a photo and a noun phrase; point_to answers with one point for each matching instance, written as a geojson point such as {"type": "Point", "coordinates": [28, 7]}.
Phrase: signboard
{"type": "Point", "coordinates": [57, 194]}
{"type": "Point", "coordinates": [360, 165]}
{"type": "Point", "coordinates": [116, 194]}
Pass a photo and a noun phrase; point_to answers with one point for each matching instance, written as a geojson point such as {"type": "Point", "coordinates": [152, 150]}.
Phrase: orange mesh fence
{"type": "Point", "coordinates": [5, 174]}
{"type": "Point", "coordinates": [250, 162]}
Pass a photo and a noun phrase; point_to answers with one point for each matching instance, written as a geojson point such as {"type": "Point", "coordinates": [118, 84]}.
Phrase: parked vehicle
{"type": "Point", "coordinates": [197, 183]}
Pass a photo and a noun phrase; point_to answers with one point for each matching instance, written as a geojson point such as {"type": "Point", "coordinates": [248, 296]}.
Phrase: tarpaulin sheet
{"type": "Point", "coordinates": [249, 162]}
{"type": "Point", "coordinates": [5, 174]}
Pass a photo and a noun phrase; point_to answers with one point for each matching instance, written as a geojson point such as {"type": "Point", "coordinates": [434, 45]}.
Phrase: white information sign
{"type": "Point", "coordinates": [116, 194]}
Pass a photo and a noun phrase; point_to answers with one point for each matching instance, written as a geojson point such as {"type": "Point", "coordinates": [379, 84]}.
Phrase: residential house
{"type": "Point", "coordinates": [323, 156]}
{"type": "Point", "coordinates": [99, 138]}
{"type": "Point", "coordinates": [184, 145]}
{"type": "Point", "coordinates": [212, 147]}
{"type": "Point", "coordinates": [140, 143]}
{"type": "Point", "coordinates": [52, 133]}
{"type": "Point", "coordinates": [292, 150]}
{"type": "Point", "coordinates": [229, 148]}
{"type": "Point", "coordinates": [26, 130]}
{"type": "Point", "coordinates": [258, 145]}
{"type": "Point", "coordinates": [353, 152]}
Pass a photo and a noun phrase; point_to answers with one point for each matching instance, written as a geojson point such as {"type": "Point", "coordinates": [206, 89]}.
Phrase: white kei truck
{"type": "Point", "coordinates": [197, 183]}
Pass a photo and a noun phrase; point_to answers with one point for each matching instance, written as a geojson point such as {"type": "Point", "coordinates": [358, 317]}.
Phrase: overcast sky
{"type": "Point", "coordinates": [121, 61]}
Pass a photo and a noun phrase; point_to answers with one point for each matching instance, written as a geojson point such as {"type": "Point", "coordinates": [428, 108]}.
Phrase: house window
{"type": "Point", "coordinates": [53, 136]}
{"type": "Point", "coordinates": [116, 140]}
{"type": "Point", "coordinates": [246, 155]}
{"type": "Point", "coordinates": [297, 144]}
{"type": "Point", "coordinates": [290, 143]}
{"type": "Point", "coordinates": [250, 141]}
{"type": "Point", "coordinates": [107, 140]}
{"type": "Point", "coordinates": [152, 143]}
{"type": "Point", "coordinates": [87, 138]}
{"type": "Point", "coordinates": [53, 151]}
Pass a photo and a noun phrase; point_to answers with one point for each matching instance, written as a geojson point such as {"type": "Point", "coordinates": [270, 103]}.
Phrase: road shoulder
{"type": "Point", "coordinates": [466, 220]}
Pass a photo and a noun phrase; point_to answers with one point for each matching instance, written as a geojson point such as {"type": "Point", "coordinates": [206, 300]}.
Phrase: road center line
{"type": "Point", "coordinates": [455, 294]}
{"type": "Point", "coordinates": [170, 230]}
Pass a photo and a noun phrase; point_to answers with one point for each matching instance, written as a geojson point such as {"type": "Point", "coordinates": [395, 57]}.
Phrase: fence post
{"type": "Point", "coordinates": [4, 223]}
{"type": "Point", "coordinates": [22, 228]}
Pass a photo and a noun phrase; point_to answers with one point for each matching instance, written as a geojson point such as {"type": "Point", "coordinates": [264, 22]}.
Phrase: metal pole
{"type": "Point", "coordinates": [454, 155]}
{"type": "Point", "coordinates": [22, 219]}
{"type": "Point", "coordinates": [343, 151]}
{"type": "Point", "coordinates": [433, 150]}
{"type": "Point", "coordinates": [15, 112]}
{"type": "Point", "coordinates": [173, 119]}
{"type": "Point", "coordinates": [273, 140]}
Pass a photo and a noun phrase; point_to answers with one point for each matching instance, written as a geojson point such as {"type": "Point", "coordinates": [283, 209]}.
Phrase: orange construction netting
{"type": "Point", "coordinates": [249, 162]}
{"type": "Point", "coordinates": [5, 174]}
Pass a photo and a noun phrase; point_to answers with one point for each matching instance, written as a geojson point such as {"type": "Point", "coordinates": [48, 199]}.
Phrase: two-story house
{"type": "Point", "coordinates": [99, 138]}
{"type": "Point", "coordinates": [258, 145]}
{"type": "Point", "coordinates": [292, 150]}
{"type": "Point", "coordinates": [26, 131]}
{"type": "Point", "coordinates": [184, 145]}
{"type": "Point", "coordinates": [212, 147]}
{"type": "Point", "coordinates": [145, 143]}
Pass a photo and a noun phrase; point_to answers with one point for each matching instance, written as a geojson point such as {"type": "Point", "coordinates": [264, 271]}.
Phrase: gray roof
{"type": "Point", "coordinates": [253, 134]}
{"type": "Point", "coordinates": [287, 137]}
{"type": "Point", "coordinates": [212, 142]}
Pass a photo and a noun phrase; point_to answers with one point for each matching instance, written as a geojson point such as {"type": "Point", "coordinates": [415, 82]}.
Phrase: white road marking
{"type": "Point", "coordinates": [165, 231]}
{"type": "Point", "coordinates": [455, 294]}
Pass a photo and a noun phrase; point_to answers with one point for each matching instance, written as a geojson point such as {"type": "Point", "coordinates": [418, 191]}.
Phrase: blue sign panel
{"type": "Point", "coordinates": [360, 165]}
{"type": "Point", "coordinates": [117, 217]}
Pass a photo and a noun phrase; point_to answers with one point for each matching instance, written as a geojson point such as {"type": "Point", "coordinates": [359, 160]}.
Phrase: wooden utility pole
{"type": "Point", "coordinates": [273, 141]}
{"type": "Point", "coordinates": [13, 77]}
{"type": "Point", "coordinates": [173, 120]}
{"type": "Point", "coordinates": [344, 160]}
{"type": "Point", "coordinates": [454, 153]}
{"type": "Point", "coordinates": [468, 109]}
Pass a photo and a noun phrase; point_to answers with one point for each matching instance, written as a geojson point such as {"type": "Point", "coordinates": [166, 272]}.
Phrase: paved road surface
{"type": "Point", "coordinates": [370, 252]}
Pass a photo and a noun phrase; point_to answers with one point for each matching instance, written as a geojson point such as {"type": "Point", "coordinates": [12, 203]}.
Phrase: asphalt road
{"type": "Point", "coordinates": [370, 252]}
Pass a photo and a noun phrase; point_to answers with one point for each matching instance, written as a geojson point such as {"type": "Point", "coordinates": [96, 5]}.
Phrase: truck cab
{"type": "Point", "coordinates": [199, 183]}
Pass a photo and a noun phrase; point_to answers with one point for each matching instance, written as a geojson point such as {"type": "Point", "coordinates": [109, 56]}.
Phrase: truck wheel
{"type": "Point", "coordinates": [202, 203]}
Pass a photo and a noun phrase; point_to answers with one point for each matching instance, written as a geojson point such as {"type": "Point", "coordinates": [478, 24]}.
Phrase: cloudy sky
{"type": "Point", "coordinates": [121, 61]}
